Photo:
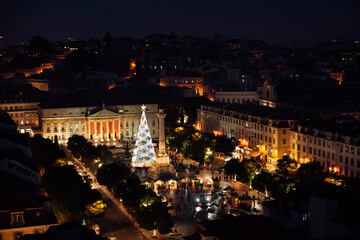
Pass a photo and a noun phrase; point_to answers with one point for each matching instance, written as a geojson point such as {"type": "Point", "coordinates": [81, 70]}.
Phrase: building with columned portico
{"type": "Point", "coordinates": [100, 117]}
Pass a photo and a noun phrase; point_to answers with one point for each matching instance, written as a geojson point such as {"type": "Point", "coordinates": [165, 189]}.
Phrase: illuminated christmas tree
{"type": "Point", "coordinates": [144, 152]}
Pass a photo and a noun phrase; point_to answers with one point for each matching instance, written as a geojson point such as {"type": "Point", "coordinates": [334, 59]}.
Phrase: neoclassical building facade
{"type": "Point", "coordinates": [99, 124]}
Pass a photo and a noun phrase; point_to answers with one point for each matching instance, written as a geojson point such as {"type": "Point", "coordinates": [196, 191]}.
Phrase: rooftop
{"type": "Point", "coordinates": [19, 156]}
{"type": "Point", "coordinates": [18, 200]}
{"type": "Point", "coordinates": [115, 96]}
{"type": "Point", "coordinates": [342, 126]}
{"type": "Point", "coordinates": [257, 110]}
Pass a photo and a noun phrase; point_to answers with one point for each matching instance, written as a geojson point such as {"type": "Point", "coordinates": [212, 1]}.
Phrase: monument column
{"type": "Point", "coordinates": [162, 157]}
{"type": "Point", "coordinates": [161, 115]}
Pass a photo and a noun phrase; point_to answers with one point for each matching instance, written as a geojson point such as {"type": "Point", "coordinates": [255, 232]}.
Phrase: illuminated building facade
{"type": "Point", "coordinates": [87, 115]}
{"type": "Point", "coordinates": [29, 71]}
{"type": "Point", "coordinates": [336, 153]}
{"type": "Point", "coordinates": [189, 79]}
{"type": "Point", "coordinates": [264, 130]}
{"type": "Point", "coordinates": [41, 84]}
{"type": "Point", "coordinates": [23, 112]}
{"type": "Point", "coordinates": [338, 76]}
{"type": "Point", "coordinates": [98, 124]}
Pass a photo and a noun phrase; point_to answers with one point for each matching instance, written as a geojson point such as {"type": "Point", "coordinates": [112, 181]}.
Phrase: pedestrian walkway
{"type": "Point", "coordinates": [182, 227]}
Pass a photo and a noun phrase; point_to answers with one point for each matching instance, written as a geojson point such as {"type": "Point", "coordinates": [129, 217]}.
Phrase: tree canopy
{"type": "Point", "coordinates": [225, 145]}
{"type": "Point", "coordinates": [264, 181]}
{"type": "Point", "coordinates": [72, 197]}
{"type": "Point", "coordinates": [197, 145]}
{"type": "Point", "coordinates": [45, 153]}
{"type": "Point", "coordinates": [286, 167]}
{"type": "Point", "coordinates": [147, 207]}
{"type": "Point", "coordinates": [309, 173]}
{"type": "Point", "coordinates": [245, 170]}
{"type": "Point", "coordinates": [80, 147]}
{"type": "Point", "coordinates": [110, 174]}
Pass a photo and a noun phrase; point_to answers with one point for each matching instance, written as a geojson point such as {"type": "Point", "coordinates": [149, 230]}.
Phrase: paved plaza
{"type": "Point", "coordinates": [203, 202]}
{"type": "Point", "coordinates": [190, 203]}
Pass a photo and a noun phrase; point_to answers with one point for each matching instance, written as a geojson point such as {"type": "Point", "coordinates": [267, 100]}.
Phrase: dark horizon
{"type": "Point", "coordinates": [288, 23]}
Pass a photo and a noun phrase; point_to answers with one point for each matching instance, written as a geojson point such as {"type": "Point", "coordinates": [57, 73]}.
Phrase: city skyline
{"type": "Point", "coordinates": [279, 22]}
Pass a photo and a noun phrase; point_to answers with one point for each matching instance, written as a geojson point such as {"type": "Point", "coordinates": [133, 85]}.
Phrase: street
{"type": "Point", "coordinates": [115, 224]}
{"type": "Point", "coordinates": [189, 204]}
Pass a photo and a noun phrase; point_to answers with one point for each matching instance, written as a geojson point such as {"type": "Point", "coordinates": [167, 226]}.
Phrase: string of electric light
{"type": "Point", "coordinates": [144, 152]}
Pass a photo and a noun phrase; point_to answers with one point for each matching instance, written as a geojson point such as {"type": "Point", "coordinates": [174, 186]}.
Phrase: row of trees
{"type": "Point", "coordinates": [199, 146]}
{"type": "Point", "coordinates": [71, 195]}
{"type": "Point", "coordinates": [46, 153]}
{"type": "Point", "coordinates": [80, 147]}
{"type": "Point", "coordinates": [146, 206]}
{"type": "Point", "coordinates": [148, 209]}
{"type": "Point", "coordinates": [288, 176]}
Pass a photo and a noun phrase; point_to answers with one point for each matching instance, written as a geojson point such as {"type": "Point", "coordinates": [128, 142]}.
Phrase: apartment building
{"type": "Point", "coordinates": [23, 112]}
{"type": "Point", "coordinates": [260, 130]}
{"type": "Point", "coordinates": [334, 144]}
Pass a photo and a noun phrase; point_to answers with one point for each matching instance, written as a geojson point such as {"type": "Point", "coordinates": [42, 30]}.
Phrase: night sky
{"type": "Point", "coordinates": [291, 22]}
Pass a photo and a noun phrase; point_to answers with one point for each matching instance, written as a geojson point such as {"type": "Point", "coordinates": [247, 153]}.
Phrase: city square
{"type": "Point", "coordinates": [179, 120]}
